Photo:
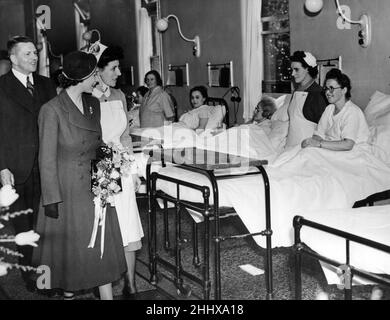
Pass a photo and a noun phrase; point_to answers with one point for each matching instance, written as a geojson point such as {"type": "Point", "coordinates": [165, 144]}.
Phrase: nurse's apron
{"type": "Point", "coordinates": [299, 128]}
{"type": "Point", "coordinates": [113, 123]}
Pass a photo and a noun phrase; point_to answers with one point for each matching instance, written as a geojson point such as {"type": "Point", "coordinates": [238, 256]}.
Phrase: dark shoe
{"type": "Point", "coordinates": [50, 293]}
{"type": "Point", "coordinates": [127, 294]}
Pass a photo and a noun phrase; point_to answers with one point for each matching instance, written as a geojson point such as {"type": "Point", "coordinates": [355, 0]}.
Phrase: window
{"type": "Point", "coordinates": [276, 44]}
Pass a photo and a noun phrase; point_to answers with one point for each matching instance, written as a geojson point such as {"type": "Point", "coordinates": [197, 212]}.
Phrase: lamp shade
{"type": "Point", "coordinates": [87, 36]}
{"type": "Point", "coordinates": [314, 6]}
{"type": "Point", "coordinates": [162, 25]}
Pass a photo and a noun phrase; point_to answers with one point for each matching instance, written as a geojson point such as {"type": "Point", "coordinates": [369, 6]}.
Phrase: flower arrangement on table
{"type": "Point", "coordinates": [7, 197]}
{"type": "Point", "coordinates": [111, 164]}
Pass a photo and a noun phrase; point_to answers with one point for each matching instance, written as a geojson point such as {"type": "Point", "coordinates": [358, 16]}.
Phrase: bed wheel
{"type": "Point", "coordinates": [184, 291]}
{"type": "Point", "coordinates": [156, 279]}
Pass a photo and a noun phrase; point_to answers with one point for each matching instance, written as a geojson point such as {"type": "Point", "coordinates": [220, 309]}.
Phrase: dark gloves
{"type": "Point", "coordinates": [51, 210]}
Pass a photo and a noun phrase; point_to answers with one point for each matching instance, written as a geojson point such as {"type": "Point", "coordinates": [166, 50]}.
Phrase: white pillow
{"type": "Point", "coordinates": [279, 102]}
{"type": "Point", "coordinates": [378, 106]}
{"type": "Point", "coordinates": [217, 113]}
{"type": "Point", "coordinates": [282, 113]}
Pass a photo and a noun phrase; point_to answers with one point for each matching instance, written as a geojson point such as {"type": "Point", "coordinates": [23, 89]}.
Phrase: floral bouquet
{"type": "Point", "coordinates": [110, 165]}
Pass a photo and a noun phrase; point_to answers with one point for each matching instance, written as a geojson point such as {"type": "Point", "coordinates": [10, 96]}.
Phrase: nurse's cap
{"type": "Point", "coordinates": [97, 49]}
{"type": "Point", "coordinates": [310, 60]}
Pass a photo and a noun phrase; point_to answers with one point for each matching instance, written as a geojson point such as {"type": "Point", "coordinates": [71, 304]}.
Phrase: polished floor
{"type": "Point", "coordinates": [236, 283]}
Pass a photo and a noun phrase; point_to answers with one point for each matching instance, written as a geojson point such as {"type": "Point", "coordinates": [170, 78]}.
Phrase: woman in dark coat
{"type": "Point", "coordinates": [70, 132]}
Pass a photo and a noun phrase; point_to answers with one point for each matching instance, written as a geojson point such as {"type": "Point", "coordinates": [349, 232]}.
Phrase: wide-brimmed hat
{"type": "Point", "coordinates": [79, 65]}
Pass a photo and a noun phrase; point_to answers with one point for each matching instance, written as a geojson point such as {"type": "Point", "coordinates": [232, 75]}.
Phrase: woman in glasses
{"type": "Point", "coordinates": [342, 124]}
{"type": "Point", "coordinates": [308, 101]}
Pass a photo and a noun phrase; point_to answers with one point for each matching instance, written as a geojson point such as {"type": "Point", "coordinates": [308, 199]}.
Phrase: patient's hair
{"type": "Point", "coordinates": [268, 106]}
{"type": "Point", "coordinates": [201, 89]}
{"type": "Point", "coordinates": [298, 56]}
{"type": "Point", "coordinates": [342, 79]}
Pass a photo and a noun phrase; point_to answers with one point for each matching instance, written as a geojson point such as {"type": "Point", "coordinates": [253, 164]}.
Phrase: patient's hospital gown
{"type": "Point", "coordinates": [349, 123]}
{"type": "Point", "coordinates": [114, 124]}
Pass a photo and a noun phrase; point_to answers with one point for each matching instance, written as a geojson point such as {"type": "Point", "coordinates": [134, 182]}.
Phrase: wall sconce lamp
{"type": "Point", "coordinates": [315, 6]}
{"type": "Point", "coordinates": [162, 25]}
{"type": "Point", "coordinates": [87, 36]}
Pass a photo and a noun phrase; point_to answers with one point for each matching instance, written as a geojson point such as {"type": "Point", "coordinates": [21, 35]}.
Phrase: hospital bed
{"type": "Point", "coordinates": [177, 187]}
{"type": "Point", "coordinates": [209, 164]}
{"type": "Point", "coordinates": [316, 178]}
{"type": "Point", "coordinates": [353, 246]}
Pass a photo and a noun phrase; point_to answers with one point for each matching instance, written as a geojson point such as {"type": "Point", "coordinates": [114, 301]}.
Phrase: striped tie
{"type": "Point", "coordinates": [30, 86]}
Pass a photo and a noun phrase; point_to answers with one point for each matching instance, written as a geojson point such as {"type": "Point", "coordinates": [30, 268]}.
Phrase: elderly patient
{"type": "Point", "coordinates": [342, 124]}
{"type": "Point", "coordinates": [264, 110]}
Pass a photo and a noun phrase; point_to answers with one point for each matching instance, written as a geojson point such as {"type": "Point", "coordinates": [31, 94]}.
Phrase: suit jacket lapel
{"type": "Point", "coordinates": [18, 92]}
{"type": "Point", "coordinates": [89, 120]}
{"type": "Point", "coordinates": [38, 88]}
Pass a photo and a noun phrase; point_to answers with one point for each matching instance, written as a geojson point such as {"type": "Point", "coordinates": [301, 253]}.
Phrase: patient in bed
{"type": "Point", "coordinates": [342, 124]}
{"type": "Point", "coordinates": [198, 117]}
{"type": "Point", "coordinates": [264, 110]}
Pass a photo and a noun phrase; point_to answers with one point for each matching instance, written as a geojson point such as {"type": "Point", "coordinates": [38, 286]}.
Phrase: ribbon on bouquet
{"type": "Point", "coordinates": [100, 220]}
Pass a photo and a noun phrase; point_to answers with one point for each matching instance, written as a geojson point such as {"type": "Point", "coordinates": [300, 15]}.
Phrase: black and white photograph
{"type": "Point", "coordinates": [193, 157]}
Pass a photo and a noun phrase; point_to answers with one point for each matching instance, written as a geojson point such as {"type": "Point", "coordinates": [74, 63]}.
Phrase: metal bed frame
{"type": "Point", "coordinates": [207, 210]}
{"type": "Point", "coordinates": [349, 271]}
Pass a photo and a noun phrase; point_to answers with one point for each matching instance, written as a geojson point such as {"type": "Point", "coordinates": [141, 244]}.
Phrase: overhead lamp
{"type": "Point", "coordinates": [365, 32]}
{"type": "Point", "coordinates": [162, 26]}
{"type": "Point", "coordinates": [314, 6]}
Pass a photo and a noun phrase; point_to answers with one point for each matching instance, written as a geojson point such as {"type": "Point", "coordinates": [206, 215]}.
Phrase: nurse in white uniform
{"type": "Point", "coordinates": [115, 129]}
{"type": "Point", "coordinates": [308, 101]}
{"type": "Point", "coordinates": [343, 124]}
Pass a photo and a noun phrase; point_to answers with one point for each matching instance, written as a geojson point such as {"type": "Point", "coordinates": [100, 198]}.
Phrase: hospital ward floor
{"type": "Point", "coordinates": [237, 284]}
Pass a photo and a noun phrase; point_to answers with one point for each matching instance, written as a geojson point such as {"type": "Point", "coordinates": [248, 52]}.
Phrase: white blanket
{"type": "Point", "coordinates": [372, 223]}
{"type": "Point", "coordinates": [250, 141]}
{"type": "Point", "coordinates": [263, 141]}
{"type": "Point", "coordinates": [300, 180]}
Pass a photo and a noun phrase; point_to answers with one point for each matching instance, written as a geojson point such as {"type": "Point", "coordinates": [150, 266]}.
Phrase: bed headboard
{"type": "Point", "coordinates": [324, 65]}
{"type": "Point", "coordinates": [211, 101]}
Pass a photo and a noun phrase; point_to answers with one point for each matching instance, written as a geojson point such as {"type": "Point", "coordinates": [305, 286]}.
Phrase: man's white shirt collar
{"type": "Point", "coordinates": [22, 77]}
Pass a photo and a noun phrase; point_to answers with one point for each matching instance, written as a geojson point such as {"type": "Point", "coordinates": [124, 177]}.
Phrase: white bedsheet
{"type": "Point", "coordinates": [250, 141]}
{"type": "Point", "coordinates": [263, 141]}
{"type": "Point", "coordinates": [300, 181]}
{"type": "Point", "coordinates": [369, 222]}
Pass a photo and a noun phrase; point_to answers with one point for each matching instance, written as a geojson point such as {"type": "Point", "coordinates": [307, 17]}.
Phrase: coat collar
{"type": "Point", "coordinates": [90, 120]}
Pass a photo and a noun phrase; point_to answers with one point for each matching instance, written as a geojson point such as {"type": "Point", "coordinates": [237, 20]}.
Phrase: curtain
{"type": "Point", "coordinates": [252, 54]}
{"type": "Point", "coordinates": [144, 41]}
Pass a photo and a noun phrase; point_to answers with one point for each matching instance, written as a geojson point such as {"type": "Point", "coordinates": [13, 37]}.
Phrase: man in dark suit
{"type": "Point", "coordinates": [22, 93]}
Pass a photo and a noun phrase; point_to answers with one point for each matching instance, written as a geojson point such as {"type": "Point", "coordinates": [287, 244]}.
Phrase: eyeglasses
{"type": "Point", "coordinates": [331, 89]}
